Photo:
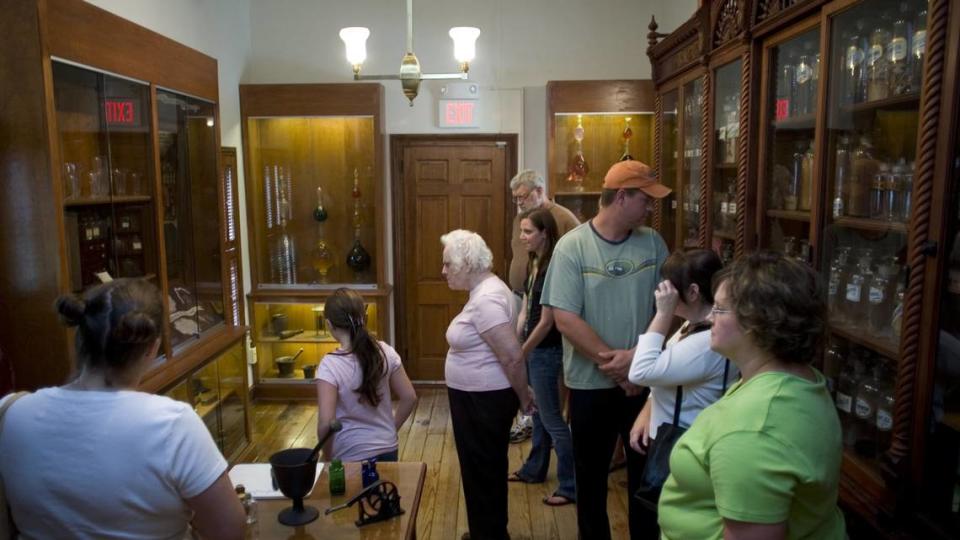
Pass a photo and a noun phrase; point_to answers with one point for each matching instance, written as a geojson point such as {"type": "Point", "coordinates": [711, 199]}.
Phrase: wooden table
{"type": "Point", "coordinates": [408, 476]}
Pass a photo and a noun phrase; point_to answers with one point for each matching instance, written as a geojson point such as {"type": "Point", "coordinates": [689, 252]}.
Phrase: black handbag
{"type": "Point", "coordinates": [657, 468]}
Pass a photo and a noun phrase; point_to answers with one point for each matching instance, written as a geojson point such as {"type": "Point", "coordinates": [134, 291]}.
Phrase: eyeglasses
{"type": "Point", "coordinates": [520, 198]}
{"type": "Point", "coordinates": [719, 311]}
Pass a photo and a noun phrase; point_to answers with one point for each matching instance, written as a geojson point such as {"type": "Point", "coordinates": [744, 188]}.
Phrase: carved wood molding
{"type": "Point", "coordinates": [930, 108]}
{"type": "Point", "coordinates": [705, 133]}
{"type": "Point", "coordinates": [729, 22]}
{"type": "Point", "coordinates": [678, 49]}
{"type": "Point", "coordinates": [657, 156]}
{"type": "Point", "coordinates": [768, 9]}
{"type": "Point", "coordinates": [743, 155]}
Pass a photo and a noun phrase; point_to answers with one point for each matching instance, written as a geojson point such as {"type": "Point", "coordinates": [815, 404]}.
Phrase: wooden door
{"type": "Point", "coordinates": [446, 184]}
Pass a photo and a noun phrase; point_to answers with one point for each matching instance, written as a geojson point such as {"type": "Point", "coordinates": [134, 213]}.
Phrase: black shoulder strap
{"type": "Point", "coordinates": [726, 370]}
{"type": "Point", "coordinates": [676, 406]}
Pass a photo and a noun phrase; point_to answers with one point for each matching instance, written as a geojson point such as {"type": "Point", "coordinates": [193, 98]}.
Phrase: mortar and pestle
{"type": "Point", "coordinates": [294, 471]}
{"type": "Point", "coordinates": [309, 371]}
{"type": "Point", "coordinates": [285, 364]}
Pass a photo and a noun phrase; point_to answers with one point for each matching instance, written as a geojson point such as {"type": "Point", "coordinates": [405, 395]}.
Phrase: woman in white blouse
{"type": "Point", "coordinates": [686, 360]}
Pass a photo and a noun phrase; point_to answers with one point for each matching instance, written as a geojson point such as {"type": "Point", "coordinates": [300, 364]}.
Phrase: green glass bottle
{"type": "Point", "coordinates": [338, 480]}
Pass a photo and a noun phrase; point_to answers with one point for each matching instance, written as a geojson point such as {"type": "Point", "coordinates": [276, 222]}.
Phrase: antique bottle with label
{"type": "Point", "coordinates": [878, 192]}
{"type": "Point", "coordinates": [863, 168]}
{"type": "Point", "coordinates": [865, 409]}
{"type": "Point", "coordinates": [880, 293]}
{"type": "Point", "coordinates": [878, 67]}
{"type": "Point", "coordinates": [836, 283]}
{"type": "Point", "coordinates": [895, 184]}
{"type": "Point", "coordinates": [804, 85]}
{"type": "Point", "coordinates": [855, 300]}
{"type": "Point", "coordinates": [898, 55]}
{"type": "Point", "coordinates": [841, 177]}
{"type": "Point", "coordinates": [786, 79]}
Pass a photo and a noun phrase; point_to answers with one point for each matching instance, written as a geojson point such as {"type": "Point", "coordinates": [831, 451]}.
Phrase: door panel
{"type": "Point", "coordinates": [447, 185]}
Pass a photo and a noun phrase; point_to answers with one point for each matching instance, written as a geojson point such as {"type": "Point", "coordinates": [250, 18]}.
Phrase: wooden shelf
{"type": "Point", "coordinates": [725, 166]}
{"type": "Point", "coordinates": [796, 123]}
{"type": "Point", "coordinates": [906, 102]}
{"type": "Point", "coordinates": [886, 347]}
{"type": "Point", "coordinates": [726, 235]}
{"type": "Point", "coordinates": [867, 224]}
{"type": "Point", "coordinates": [794, 215]}
{"type": "Point", "coordinates": [204, 410]}
{"type": "Point", "coordinates": [307, 336]}
{"type": "Point", "coordinates": [116, 199]}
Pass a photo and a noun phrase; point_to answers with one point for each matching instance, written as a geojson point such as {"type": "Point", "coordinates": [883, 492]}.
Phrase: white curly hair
{"type": "Point", "coordinates": [467, 251]}
{"type": "Point", "coordinates": [530, 178]}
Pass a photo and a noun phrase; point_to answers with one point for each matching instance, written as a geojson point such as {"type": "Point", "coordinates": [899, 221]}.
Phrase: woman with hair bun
{"type": "Point", "coordinates": [356, 385]}
{"type": "Point", "coordinates": [95, 458]}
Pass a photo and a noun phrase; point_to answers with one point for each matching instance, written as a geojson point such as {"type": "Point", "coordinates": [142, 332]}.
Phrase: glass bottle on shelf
{"type": "Point", "coordinates": [865, 409]}
{"type": "Point", "coordinates": [878, 67]}
{"type": "Point", "coordinates": [832, 360]}
{"type": "Point", "coordinates": [836, 283]}
{"type": "Point", "coordinates": [855, 300]}
{"type": "Point", "coordinates": [897, 55]}
{"type": "Point", "coordinates": [906, 192]}
{"type": "Point", "coordinates": [880, 297]}
{"type": "Point", "coordinates": [796, 172]}
{"type": "Point", "coordinates": [895, 185]}
{"type": "Point", "coordinates": [577, 169]}
{"type": "Point", "coordinates": [804, 84]}
{"type": "Point", "coordinates": [918, 47]}
{"type": "Point", "coordinates": [790, 246]}
{"type": "Point", "coordinates": [847, 385]}
{"type": "Point", "coordinates": [840, 178]}
{"type": "Point", "coordinates": [319, 212]}
{"type": "Point", "coordinates": [853, 67]}
{"type": "Point", "coordinates": [896, 320]}
{"type": "Point", "coordinates": [878, 189]}
{"type": "Point", "coordinates": [785, 83]}
{"type": "Point", "coordinates": [733, 129]}
{"type": "Point", "coordinates": [863, 168]}
{"type": "Point", "coordinates": [886, 403]}
{"type": "Point", "coordinates": [805, 199]}
{"type": "Point", "coordinates": [627, 134]}
{"type": "Point", "coordinates": [731, 207]}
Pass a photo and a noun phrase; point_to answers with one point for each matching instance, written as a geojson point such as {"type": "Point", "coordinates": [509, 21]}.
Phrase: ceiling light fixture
{"type": "Point", "coordinates": [464, 49]}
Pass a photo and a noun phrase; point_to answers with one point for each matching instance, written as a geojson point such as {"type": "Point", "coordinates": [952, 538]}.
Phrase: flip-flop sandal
{"type": "Point", "coordinates": [549, 501]}
{"type": "Point", "coordinates": [515, 477]}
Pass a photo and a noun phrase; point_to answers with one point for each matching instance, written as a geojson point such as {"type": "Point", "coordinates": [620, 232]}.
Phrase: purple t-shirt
{"type": "Point", "coordinates": [471, 364]}
{"type": "Point", "coordinates": [367, 430]}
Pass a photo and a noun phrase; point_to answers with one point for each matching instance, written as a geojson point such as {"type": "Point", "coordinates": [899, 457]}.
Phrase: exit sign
{"type": "Point", "coordinates": [458, 113]}
{"type": "Point", "coordinates": [123, 112]}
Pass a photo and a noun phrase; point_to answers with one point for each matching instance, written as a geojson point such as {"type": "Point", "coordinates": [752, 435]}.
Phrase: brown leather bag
{"type": "Point", "coordinates": [7, 529]}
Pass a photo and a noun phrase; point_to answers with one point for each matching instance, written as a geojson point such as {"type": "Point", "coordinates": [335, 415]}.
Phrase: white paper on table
{"type": "Point", "coordinates": [256, 478]}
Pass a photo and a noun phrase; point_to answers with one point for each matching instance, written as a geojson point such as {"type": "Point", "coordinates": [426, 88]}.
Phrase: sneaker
{"type": "Point", "coordinates": [520, 432]}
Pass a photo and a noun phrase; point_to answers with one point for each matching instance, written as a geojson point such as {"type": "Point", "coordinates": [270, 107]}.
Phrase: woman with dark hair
{"type": "Point", "coordinates": [356, 384]}
{"type": "Point", "coordinates": [763, 461]}
{"type": "Point", "coordinates": [543, 349]}
{"type": "Point", "coordinates": [95, 458]}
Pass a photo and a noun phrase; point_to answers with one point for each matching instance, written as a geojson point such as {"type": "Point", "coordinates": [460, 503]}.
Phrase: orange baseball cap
{"type": "Point", "coordinates": [635, 174]}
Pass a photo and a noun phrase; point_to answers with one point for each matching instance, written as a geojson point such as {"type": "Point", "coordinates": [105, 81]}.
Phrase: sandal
{"type": "Point", "coordinates": [515, 477]}
{"type": "Point", "coordinates": [557, 500]}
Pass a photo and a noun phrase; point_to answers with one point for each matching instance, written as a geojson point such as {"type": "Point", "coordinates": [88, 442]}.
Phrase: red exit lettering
{"type": "Point", "coordinates": [119, 112]}
{"type": "Point", "coordinates": [459, 113]}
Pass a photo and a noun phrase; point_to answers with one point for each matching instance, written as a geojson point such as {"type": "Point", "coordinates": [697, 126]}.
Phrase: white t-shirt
{"type": "Point", "coordinates": [91, 464]}
{"type": "Point", "coordinates": [689, 362]}
{"type": "Point", "coordinates": [367, 431]}
{"type": "Point", "coordinates": [471, 364]}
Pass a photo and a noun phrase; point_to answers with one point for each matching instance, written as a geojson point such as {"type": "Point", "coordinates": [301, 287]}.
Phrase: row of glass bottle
{"type": "Point", "coordinates": [886, 61]}
{"type": "Point", "coordinates": [97, 182]}
{"type": "Point", "coordinates": [798, 78]}
{"type": "Point", "coordinates": [864, 186]}
{"type": "Point", "coordinates": [862, 384]}
{"type": "Point", "coordinates": [728, 130]}
{"type": "Point", "coordinates": [864, 295]}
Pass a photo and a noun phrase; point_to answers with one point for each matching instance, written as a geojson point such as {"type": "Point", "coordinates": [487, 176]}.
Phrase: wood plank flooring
{"type": "Point", "coordinates": [428, 436]}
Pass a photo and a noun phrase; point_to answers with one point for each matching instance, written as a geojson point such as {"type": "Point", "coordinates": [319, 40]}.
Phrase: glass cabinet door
{"type": "Point", "coordinates": [191, 214]}
{"type": "Point", "coordinates": [789, 155]}
{"type": "Point", "coordinates": [669, 163]}
{"type": "Point", "coordinates": [690, 176]}
{"type": "Point", "coordinates": [105, 155]}
{"type": "Point", "coordinates": [314, 207]}
{"type": "Point", "coordinates": [726, 128]}
{"type": "Point", "coordinates": [871, 141]}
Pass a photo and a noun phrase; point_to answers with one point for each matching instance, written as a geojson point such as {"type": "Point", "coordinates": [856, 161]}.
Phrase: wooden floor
{"type": "Point", "coordinates": [428, 436]}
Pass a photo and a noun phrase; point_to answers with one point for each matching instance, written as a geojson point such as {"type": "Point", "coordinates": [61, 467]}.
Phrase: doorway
{"type": "Point", "coordinates": [442, 183]}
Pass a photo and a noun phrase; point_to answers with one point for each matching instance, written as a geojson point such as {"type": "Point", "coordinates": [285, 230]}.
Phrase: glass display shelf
{"type": "Point", "coordinates": [291, 338]}
{"type": "Point", "coordinates": [315, 202]}
{"type": "Point", "coordinates": [669, 163]}
{"type": "Point", "coordinates": [690, 173]}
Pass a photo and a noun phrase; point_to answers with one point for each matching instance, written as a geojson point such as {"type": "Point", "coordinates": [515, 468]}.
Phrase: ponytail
{"type": "Point", "coordinates": [345, 310]}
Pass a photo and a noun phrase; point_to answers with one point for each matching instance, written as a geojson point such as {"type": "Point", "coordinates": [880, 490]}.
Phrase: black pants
{"type": "Point", "coordinates": [596, 418]}
{"type": "Point", "coordinates": [481, 429]}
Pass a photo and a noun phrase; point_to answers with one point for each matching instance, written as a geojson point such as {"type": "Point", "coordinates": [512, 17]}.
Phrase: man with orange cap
{"type": "Point", "coordinates": [600, 285]}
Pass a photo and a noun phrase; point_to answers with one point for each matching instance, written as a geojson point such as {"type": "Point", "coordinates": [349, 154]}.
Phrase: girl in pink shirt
{"type": "Point", "coordinates": [355, 385]}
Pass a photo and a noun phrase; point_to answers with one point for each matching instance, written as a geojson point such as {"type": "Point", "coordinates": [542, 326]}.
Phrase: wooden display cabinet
{"type": "Point", "coordinates": [849, 166]}
{"type": "Point", "coordinates": [613, 121]}
{"type": "Point", "coordinates": [111, 137]}
{"type": "Point", "coordinates": [283, 327]}
{"type": "Point", "coordinates": [313, 156]}
{"type": "Point", "coordinates": [681, 133]}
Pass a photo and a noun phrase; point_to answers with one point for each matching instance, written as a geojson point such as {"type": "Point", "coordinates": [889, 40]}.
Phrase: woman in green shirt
{"type": "Point", "coordinates": [764, 461]}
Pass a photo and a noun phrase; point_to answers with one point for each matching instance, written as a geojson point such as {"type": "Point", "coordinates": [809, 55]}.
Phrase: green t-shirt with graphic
{"type": "Point", "coordinates": [767, 452]}
{"type": "Point", "coordinates": [610, 286]}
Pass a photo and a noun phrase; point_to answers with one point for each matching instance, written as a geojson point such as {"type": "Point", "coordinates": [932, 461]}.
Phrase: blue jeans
{"type": "Point", "coordinates": [544, 368]}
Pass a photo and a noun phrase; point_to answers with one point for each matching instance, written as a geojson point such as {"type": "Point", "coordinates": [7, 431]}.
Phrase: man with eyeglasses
{"type": "Point", "coordinates": [528, 193]}
{"type": "Point", "coordinates": [600, 284]}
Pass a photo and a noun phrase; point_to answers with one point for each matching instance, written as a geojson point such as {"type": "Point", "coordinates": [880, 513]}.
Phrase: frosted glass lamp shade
{"type": "Point", "coordinates": [355, 39]}
{"type": "Point", "coordinates": [464, 42]}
